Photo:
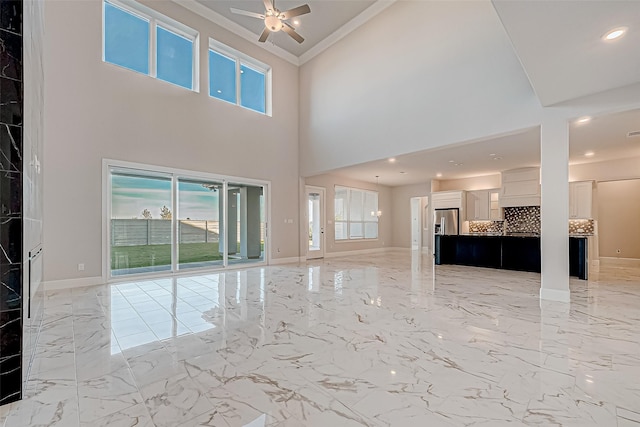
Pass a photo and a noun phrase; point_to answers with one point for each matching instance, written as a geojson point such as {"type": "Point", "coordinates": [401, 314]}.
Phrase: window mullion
{"type": "Point", "coordinates": [153, 46]}
{"type": "Point", "coordinates": [238, 82]}
{"type": "Point", "coordinates": [175, 236]}
{"type": "Point", "coordinates": [225, 222]}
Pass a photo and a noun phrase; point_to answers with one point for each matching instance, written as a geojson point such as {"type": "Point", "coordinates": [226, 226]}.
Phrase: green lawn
{"type": "Point", "coordinates": [148, 255]}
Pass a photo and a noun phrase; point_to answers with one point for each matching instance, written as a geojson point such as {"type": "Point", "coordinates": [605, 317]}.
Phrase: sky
{"type": "Point", "coordinates": [131, 195]}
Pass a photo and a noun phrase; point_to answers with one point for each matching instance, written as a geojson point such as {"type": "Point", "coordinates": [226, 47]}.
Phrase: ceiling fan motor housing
{"type": "Point", "coordinates": [273, 23]}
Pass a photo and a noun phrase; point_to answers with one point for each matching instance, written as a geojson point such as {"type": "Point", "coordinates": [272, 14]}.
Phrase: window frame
{"type": "Point", "coordinates": [156, 19]}
{"type": "Point", "coordinates": [242, 59]}
{"type": "Point", "coordinates": [347, 211]}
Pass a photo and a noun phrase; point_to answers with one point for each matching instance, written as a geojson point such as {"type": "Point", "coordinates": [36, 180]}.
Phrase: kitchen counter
{"type": "Point", "coordinates": [511, 252]}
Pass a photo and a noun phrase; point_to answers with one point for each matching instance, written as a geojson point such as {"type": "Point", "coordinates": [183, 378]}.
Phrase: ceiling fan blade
{"type": "Point", "coordinates": [246, 13]}
{"type": "Point", "coordinates": [264, 35]}
{"type": "Point", "coordinates": [296, 11]}
{"type": "Point", "coordinates": [268, 5]}
{"type": "Point", "coordinates": [289, 30]}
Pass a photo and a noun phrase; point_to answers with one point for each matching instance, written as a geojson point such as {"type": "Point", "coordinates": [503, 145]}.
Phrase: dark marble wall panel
{"type": "Point", "coordinates": [11, 212]}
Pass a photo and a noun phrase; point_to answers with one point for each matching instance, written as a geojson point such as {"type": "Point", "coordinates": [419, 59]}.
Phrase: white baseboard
{"type": "Point", "coordinates": [289, 260]}
{"type": "Point", "coordinates": [555, 295]}
{"type": "Point", "coordinates": [619, 262]}
{"type": "Point", "coordinates": [54, 285]}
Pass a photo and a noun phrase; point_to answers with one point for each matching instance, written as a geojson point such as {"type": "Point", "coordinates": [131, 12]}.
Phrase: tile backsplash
{"type": "Point", "coordinates": [486, 226]}
{"type": "Point", "coordinates": [581, 226]}
{"type": "Point", "coordinates": [523, 219]}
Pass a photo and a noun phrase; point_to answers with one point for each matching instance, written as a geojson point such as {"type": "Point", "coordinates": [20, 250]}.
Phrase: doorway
{"type": "Point", "coordinates": [315, 222]}
{"type": "Point", "coordinates": [419, 221]}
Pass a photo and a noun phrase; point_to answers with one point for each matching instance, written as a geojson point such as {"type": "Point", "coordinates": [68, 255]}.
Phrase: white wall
{"type": "Point", "coordinates": [95, 110]}
{"type": "Point", "coordinates": [388, 89]}
{"type": "Point", "coordinates": [619, 214]}
{"type": "Point", "coordinates": [401, 212]}
{"type": "Point", "coordinates": [385, 222]}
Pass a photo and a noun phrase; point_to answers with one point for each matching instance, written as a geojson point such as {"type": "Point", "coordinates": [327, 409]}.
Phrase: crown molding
{"type": "Point", "coordinates": [320, 47]}
{"type": "Point", "coordinates": [346, 29]}
{"type": "Point", "coordinates": [237, 29]}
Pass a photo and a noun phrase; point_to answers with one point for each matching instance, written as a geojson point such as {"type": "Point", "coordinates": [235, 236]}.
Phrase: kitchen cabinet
{"type": "Point", "coordinates": [477, 205]}
{"type": "Point", "coordinates": [495, 211]}
{"type": "Point", "coordinates": [483, 205]}
{"type": "Point", "coordinates": [580, 199]}
{"type": "Point", "coordinates": [520, 253]}
{"type": "Point", "coordinates": [520, 187]}
{"type": "Point", "coordinates": [448, 199]}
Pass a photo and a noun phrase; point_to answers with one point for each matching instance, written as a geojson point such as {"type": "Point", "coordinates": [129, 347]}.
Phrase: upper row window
{"type": "Point", "coordinates": [142, 40]}
{"type": "Point", "coordinates": [236, 78]}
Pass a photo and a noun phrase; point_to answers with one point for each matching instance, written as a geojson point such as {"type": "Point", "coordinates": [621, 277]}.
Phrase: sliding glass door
{"type": "Point", "coordinates": [165, 220]}
{"type": "Point", "coordinates": [140, 223]}
{"type": "Point", "coordinates": [199, 212]}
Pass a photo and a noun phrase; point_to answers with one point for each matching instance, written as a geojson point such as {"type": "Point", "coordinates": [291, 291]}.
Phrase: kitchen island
{"type": "Point", "coordinates": [509, 252]}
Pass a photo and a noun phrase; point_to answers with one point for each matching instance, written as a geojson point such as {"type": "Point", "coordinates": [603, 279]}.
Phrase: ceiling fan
{"type": "Point", "coordinates": [274, 20]}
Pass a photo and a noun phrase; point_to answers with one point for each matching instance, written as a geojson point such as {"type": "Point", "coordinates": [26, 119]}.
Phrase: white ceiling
{"type": "Point", "coordinates": [561, 49]}
{"type": "Point", "coordinates": [559, 45]}
{"type": "Point", "coordinates": [326, 17]}
{"type": "Point", "coordinates": [606, 136]}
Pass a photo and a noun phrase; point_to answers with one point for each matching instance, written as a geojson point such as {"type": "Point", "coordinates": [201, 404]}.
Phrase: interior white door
{"type": "Point", "coordinates": [315, 221]}
{"type": "Point", "coordinates": [416, 223]}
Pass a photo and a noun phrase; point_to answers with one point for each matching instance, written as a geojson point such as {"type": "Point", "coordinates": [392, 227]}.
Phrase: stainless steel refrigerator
{"type": "Point", "coordinates": [446, 221]}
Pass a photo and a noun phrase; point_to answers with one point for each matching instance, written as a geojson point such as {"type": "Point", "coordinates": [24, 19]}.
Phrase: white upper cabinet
{"type": "Point", "coordinates": [477, 205]}
{"type": "Point", "coordinates": [448, 199]}
{"type": "Point", "coordinates": [520, 187]}
{"type": "Point", "coordinates": [580, 199]}
{"type": "Point", "coordinates": [483, 205]}
{"type": "Point", "coordinates": [495, 211]}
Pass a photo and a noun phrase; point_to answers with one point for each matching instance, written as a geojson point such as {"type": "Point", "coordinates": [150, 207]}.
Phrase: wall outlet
{"type": "Point", "coordinates": [80, 267]}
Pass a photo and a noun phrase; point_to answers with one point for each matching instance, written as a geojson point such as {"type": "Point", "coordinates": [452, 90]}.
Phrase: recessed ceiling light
{"type": "Point", "coordinates": [392, 160]}
{"type": "Point", "coordinates": [439, 175]}
{"type": "Point", "coordinates": [219, 91]}
{"type": "Point", "coordinates": [452, 161]}
{"type": "Point", "coordinates": [616, 33]}
{"type": "Point", "coordinates": [458, 164]}
{"type": "Point", "coordinates": [492, 154]}
{"type": "Point", "coordinates": [589, 154]}
{"type": "Point", "coordinates": [296, 22]}
{"type": "Point", "coordinates": [497, 158]}
{"type": "Point", "coordinates": [585, 119]}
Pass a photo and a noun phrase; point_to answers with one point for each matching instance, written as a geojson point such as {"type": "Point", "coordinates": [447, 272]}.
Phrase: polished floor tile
{"type": "Point", "coordinates": [376, 340]}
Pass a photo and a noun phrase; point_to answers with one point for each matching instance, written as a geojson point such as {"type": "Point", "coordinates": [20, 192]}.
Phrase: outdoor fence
{"type": "Point", "coordinates": [134, 232]}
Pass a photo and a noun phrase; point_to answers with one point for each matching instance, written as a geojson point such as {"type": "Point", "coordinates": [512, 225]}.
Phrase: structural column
{"type": "Point", "coordinates": [554, 210]}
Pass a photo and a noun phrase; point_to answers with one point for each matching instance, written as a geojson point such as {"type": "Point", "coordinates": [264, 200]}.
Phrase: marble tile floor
{"type": "Point", "coordinates": [376, 340]}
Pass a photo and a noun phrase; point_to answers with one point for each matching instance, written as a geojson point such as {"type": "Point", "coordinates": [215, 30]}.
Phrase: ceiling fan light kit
{"type": "Point", "coordinates": [274, 20]}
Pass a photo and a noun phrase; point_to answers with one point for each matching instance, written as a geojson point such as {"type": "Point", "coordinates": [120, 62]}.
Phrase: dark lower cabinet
{"type": "Point", "coordinates": [521, 253]}
{"type": "Point", "coordinates": [507, 252]}
{"type": "Point", "coordinates": [478, 252]}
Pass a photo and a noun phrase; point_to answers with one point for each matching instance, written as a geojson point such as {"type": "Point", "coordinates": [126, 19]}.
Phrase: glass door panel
{"type": "Point", "coordinates": [246, 223]}
{"type": "Point", "coordinates": [140, 237]}
{"type": "Point", "coordinates": [315, 220]}
{"type": "Point", "coordinates": [199, 231]}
